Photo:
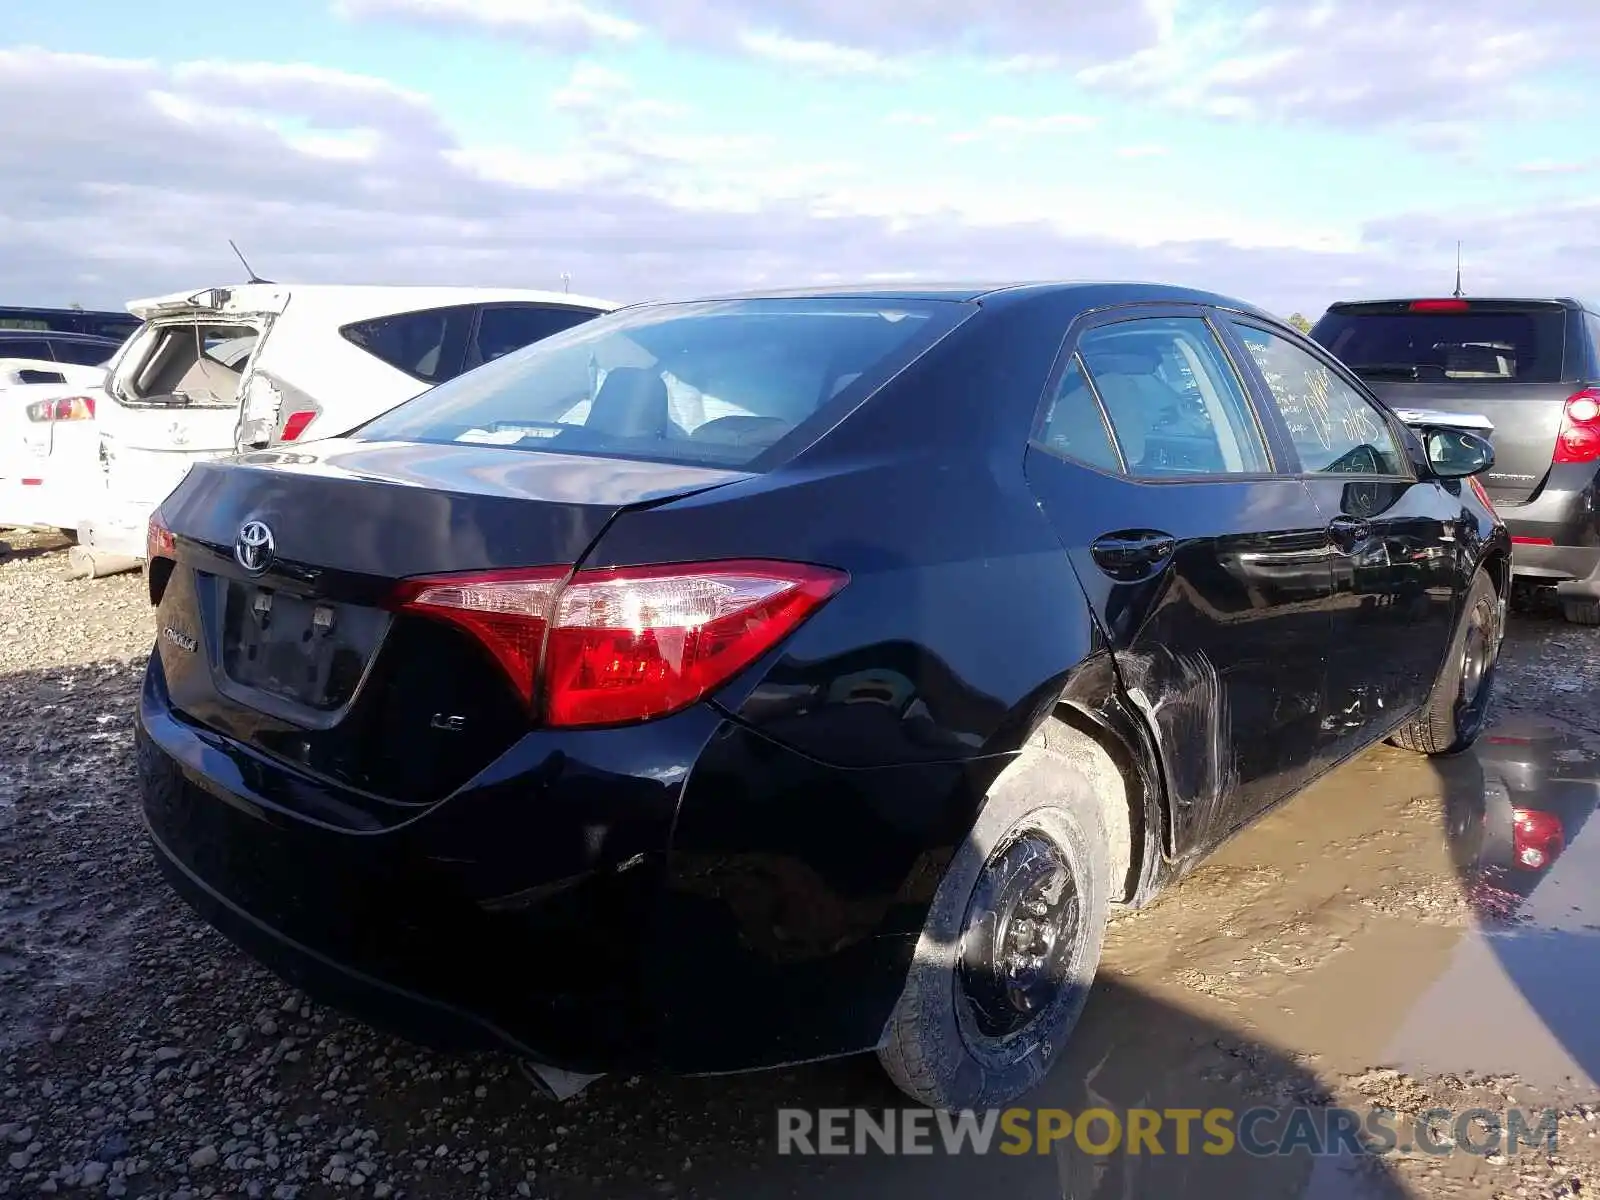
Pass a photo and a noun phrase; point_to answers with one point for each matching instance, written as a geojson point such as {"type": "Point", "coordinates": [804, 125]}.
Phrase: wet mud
{"type": "Point", "coordinates": [1410, 934]}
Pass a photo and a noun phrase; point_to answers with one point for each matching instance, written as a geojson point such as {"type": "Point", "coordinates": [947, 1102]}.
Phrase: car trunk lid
{"type": "Point", "coordinates": [282, 631]}
{"type": "Point", "coordinates": [1525, 420]}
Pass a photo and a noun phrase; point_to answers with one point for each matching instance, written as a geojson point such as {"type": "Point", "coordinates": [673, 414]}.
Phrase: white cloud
{"type": "Point", "coordinates": [1003, 125]}
{"type": "Point", "coordinates": [1548, 166]}
{"type": "Point", "coordinates": [1359, 62]}
{"type": "Point", "coordinates": [561, 24]}
{"type": "Point", "coordinates": [128, 179]}
{"type": "Point", "coordinates": [827, 58]}
{"type": "Point", "coordinates": [1142, 151]}
{"type": "Point", "coordinates": [803, 32]}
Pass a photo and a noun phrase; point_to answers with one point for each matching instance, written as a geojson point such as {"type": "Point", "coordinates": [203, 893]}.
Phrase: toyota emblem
{"type": "Point", "coordinates": [253, 547]}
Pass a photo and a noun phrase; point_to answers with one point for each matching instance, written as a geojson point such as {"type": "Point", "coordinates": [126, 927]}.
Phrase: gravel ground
{"type": "Point", "coordinates": [141, 1056]}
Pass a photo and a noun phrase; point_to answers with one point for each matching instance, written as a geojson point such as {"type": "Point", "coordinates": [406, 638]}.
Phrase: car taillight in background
{"type": "Point", "coordinates": [1579, 438]}
{"type": "Point", "coordinates": [295, 423]}
{"type": "Point", "coordinates": [1537, 838]}
{"type": "Point", "coordinates": [68, 408]}
{"type": "Point", "coordinates": [158, 540]}
{"type": "Point", "coordinates": [609, 647]}
{"type": "Point", "coordinates": [274, 411]}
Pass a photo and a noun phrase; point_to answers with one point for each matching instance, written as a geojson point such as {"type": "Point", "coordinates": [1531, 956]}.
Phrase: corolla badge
{"type": "Point", "coordinates": [253, 547]}
{"type": "Point", "coordinates": [179, 639]}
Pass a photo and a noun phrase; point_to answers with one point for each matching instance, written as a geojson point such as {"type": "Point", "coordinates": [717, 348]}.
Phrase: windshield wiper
{"type": "Point", "coordinates": [1388, 370]}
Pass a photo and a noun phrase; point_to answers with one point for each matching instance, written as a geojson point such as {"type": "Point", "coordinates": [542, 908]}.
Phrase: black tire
{"type": "Point", "coordinates": [1458, 706]}
{"type": "Point", "coordinates": [943, 1045]}
{"type": "Point", "coordinates": [1581, 612]}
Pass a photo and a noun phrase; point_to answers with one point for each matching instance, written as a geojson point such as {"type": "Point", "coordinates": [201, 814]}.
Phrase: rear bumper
{"type": "Point", "coordinates": [684, 896]}
{"type": "Point", "coordinates": [1562, 528]}
{"type": "Point", "coordinates": [117, 528]}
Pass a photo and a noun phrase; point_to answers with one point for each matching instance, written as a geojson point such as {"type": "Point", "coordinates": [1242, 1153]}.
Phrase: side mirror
{"type": "Point", "coordinates": [1455, 453]}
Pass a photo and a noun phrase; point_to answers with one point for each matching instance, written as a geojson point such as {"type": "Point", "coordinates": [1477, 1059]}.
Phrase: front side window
{"type": "Point", "coordinates": [1334, 428]}
{"type": "Point", "coordinates": [1174, 400]}
{"type": "Point", "coordinates": [715, 382]}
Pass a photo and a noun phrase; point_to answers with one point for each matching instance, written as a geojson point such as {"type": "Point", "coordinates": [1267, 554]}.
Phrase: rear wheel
{"type": "Point", "coordinates": [1581, 612]}
{"type": "Point", "coordinates": [1458, 705]}
{"type": "Point", "coordinates": [1011, 943]}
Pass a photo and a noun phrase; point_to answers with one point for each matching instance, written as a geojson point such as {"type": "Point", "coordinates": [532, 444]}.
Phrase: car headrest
{"type": "Point", "coordinates": [742, 431]}
{"type": "Point", "coordinates": [1121, 362]}
{"type": "Point", "coordinates": [631, 403]}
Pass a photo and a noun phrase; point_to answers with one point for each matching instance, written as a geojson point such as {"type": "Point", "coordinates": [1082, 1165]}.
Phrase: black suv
{"type": "Point", "coordinates": [1532, 368]}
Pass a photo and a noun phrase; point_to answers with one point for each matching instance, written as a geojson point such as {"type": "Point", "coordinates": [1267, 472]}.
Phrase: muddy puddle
{"type": "Point", "coordinates": [1407, 935]}
{"type": "Point", "coordinates": [1432, 915]}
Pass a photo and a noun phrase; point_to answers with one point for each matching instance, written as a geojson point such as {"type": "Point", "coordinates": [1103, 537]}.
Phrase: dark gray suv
{"type": "Point", "coordinates": [1532, 368]}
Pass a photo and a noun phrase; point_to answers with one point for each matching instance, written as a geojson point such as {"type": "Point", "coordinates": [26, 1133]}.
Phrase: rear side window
{"type": "Point", "coordinates": [503, 328]}
{"type": "Point", "coordinates": [428, 345]}
{"type": "Point", "coordinates": [1490, 344]}
{"type": "Point", "coordinates": [84, 354]}
{"type": "Point", "coordinates": [1075, 426]}
{"type": "Point", "coordinates": [714, 383]}
{"type": "Point", "coordinates": [25, 348]}
{"type": "Point", "coordinates": [118, 330]}
{"type": "Point", "coordinates": [1173, 397]}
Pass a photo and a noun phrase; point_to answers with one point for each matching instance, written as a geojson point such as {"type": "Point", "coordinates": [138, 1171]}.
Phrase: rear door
{"type": "Point", "coordinates": [1515, 362]}
{"type": "Point", "coordinates": [1391, 536]}
{"type": "Point", "coordinates": [1205, 563]}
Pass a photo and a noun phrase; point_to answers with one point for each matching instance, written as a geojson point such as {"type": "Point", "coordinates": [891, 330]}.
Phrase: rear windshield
{"type": "Point", "coordinates": [1520, 346]}
{"type": "Point", "coordinates": [715, 383]}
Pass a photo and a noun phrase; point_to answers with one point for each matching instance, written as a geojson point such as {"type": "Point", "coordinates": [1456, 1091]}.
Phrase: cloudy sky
{"type": "Point", "coordinates": [1288, 153]}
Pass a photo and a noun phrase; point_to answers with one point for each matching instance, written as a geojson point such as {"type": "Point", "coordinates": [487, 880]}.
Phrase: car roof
{"type": "Point", "coordinates": [57, 335]}
{"type": "Point", "coordinates": [1090, 293]}
{"type": "Point", "coordinates": [361, 300]}
{"type": "Point", "coordinates": [1563, 301]}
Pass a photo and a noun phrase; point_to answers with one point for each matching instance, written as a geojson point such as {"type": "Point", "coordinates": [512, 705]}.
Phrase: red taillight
{"type": "Point", "coordinates": [1438, 306]}
{"type": "Point", "coordinates": [295, 423]}
{"type": "Point", "coordinates": [1537, 838]}
{"type": "Point", "coordinates": [628, 644]}
{"type": "Point", "coordinates": [69, 408]}
{"type": "Point", "coordinates": [158, 540]}
{"type": "Point", "coordinates": [641, 642]}
{"type": "Point", "coordinates": [1579, 438]}
{"type": "Point", "coordinates": [507, 611]}
{"type": "Point", "coordinates": [1532, 541]}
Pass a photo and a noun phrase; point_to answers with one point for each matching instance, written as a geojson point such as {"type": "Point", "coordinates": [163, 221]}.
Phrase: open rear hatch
{"type": "Point", "coordinates": [175, 391]}
{"type": "Point", "coordinates": [1501, 359]}
{"type": "Point", "coordinates": [291, 622]}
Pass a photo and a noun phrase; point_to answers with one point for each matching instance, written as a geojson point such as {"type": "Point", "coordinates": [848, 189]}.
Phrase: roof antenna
{"type": "Point", "coordinates": [1457, 292]}
{"type": "Point", "coordinates": [566, 281]}
{"type": "Point", "coordinates": [254, 278]}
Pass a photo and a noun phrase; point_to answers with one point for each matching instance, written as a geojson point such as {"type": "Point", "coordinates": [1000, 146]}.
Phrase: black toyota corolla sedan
{"type": "Point", "coordinates": [727, 684]}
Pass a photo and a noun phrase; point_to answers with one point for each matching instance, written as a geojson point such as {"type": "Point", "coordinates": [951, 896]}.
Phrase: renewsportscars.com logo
{"type": "Point", "coordinates": [1261, 1132]}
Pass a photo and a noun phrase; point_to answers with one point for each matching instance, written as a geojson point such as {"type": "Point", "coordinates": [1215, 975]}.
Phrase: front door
{"type": "Point", "coordinates": [1391, 538]}
{"type": "Point", "coordinates": [1207, 568]}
